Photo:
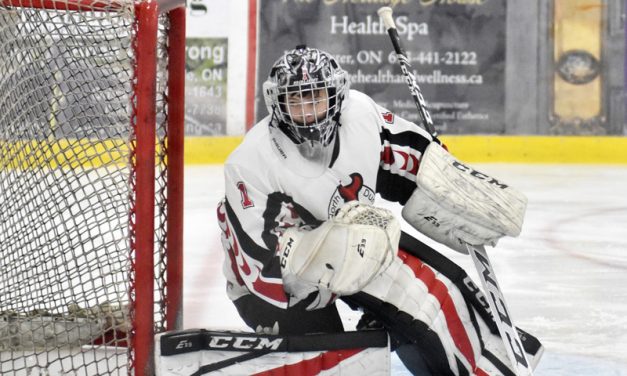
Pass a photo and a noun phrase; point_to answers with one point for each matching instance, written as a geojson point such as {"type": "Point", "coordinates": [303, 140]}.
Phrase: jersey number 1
{"type": "Point", "coordinates": [246, 201]}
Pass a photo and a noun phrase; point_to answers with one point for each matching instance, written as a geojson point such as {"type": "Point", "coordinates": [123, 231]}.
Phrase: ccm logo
{"type": "Point", "coordinates": [479, 175]}
{"type": "Point", "coordinates": [244, 343]}
{"type": "Point", "coordinates": [286, 252]}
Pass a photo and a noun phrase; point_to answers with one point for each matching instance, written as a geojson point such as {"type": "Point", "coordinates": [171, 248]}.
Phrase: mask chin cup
{"type": "Point", "coordinates": [309, 159]}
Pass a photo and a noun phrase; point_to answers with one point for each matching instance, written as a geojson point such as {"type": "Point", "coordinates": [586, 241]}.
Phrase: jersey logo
{"type": "Point", "coordinates": [350, 192]}
{"type": "Point", "coordinates": [246, 201]}
{"type": "Point", "coordinates": [353, 191]}
{"type": "Point", "coordinates": [388, 117]}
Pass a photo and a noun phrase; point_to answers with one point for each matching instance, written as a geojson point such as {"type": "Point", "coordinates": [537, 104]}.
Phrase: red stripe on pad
{"type": "Point", "coordinates": [439, 290]}
{"type": "Point", "coordinates": [480, 372]}
{"type": "Point", "coordinates": [313, 366]}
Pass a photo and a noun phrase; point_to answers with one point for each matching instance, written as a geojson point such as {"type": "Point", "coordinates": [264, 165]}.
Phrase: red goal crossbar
{"type": "Point", "coordinates": [163, 6]}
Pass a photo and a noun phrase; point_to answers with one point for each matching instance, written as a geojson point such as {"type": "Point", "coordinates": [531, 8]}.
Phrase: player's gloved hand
{"type": "Point", "coordinates": [341, 255]}
{"type": "Point", "coordinates": [455, 204]}
{"type": "Point", "coordinates": [445, 227]}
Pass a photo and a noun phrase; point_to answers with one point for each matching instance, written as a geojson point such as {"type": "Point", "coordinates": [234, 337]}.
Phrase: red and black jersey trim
{"type": "Point", "coordinates": [393, 187]}
{"type": "Point", "coordinates": [269, 259]}
{"type": "Point", "coordinates": [267, 256]}
{"type": "Point", "coordinates": [407, 138]}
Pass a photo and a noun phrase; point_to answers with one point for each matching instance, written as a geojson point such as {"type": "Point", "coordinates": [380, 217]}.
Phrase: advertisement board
{"type": "Point", "coordinates": [206, 86]}
{"type": "Point", "coordinates": [456, 50]}
{"type": "Point", "coordinates": [206, 68]}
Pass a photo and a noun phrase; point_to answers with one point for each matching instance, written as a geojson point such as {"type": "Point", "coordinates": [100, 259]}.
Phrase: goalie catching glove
{"type": "Point", "coordinates": [455, 204]}
{"type": "Point", "coordinates": [343, 254]}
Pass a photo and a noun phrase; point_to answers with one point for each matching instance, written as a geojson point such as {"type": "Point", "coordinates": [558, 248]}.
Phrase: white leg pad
{"type": "Point", "coordinates": [428, 296]}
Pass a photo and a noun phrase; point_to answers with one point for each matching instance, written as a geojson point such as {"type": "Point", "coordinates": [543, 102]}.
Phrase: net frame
{"type": "Point", "coordinates": [144, 157]}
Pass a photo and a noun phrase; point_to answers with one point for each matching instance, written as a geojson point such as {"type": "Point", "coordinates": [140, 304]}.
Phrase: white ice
{"type": "Point", "coordinates": [564, 277]}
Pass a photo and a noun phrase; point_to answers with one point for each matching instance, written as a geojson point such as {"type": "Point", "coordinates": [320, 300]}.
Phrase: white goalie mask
{"type": "Point", "coordinates": [304, 94]}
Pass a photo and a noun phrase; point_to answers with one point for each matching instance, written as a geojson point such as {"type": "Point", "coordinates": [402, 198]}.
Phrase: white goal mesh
{"type": "Point", "coordinates": [86, 169]}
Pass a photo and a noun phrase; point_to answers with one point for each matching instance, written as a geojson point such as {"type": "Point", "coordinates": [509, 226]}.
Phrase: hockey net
{"type": "Point", "coordinates": [90, 183]}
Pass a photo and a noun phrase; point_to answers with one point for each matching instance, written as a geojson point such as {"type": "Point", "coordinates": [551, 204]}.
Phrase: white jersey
{"type": "Point", "coordinates": [378, 153]}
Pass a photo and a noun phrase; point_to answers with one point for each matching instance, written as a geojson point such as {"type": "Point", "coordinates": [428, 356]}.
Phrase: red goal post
{"type": "Point", "coordinates": [91, 183]}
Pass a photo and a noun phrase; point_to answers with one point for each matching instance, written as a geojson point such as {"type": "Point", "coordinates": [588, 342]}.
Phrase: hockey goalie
{"type": "Point", "coordinates": [301, 228]}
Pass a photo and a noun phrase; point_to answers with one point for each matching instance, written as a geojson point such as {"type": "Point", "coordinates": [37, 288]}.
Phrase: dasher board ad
{"type": "Point", "coordinates": [206, 72]}
{"type": "Point", "coordinates": [456, 51]}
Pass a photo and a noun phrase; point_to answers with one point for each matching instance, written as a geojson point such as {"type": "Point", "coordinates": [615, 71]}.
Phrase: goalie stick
{"type": "Point", "coordinates": [496, 300]}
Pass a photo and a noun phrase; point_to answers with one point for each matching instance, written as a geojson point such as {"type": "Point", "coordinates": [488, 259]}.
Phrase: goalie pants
{"type": "Point", "coordinates": [258, 314]}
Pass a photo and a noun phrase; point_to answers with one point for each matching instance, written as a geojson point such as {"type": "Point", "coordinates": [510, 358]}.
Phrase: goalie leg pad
{"type": "Point", "coordinates": [425, 307]}
{"type": "Point", "coordinates": [200, 352]}
{"type": "Point", "coordinates": [432, 313]}
{"type": "Point", "coordinates": [473, 295]}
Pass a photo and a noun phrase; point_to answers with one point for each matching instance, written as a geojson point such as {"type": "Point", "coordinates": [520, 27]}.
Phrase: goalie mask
{"type": "Point", "coordinates": [304, 94]}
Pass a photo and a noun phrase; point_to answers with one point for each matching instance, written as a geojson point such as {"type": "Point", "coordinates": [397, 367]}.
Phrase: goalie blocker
{"type": "Point", "coordinates": [204, 352]}
{"type": "Point", "coordinates": [455, 204]}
